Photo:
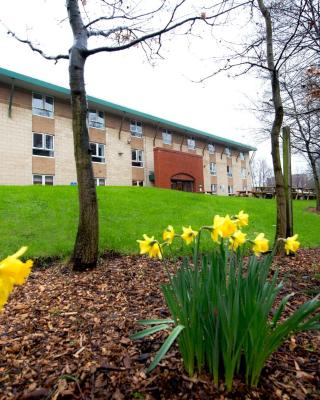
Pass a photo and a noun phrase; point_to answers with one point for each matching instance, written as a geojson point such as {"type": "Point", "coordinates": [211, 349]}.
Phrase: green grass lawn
{"type": "Point", "coordinates": [45, 218]}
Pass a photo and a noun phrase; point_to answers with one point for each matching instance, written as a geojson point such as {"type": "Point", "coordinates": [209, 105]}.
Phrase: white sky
{"type": "Point", "coordinates": [218, 106]}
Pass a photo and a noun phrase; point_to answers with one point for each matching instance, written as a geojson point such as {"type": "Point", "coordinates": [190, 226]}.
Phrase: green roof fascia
{"type": "Point", "coordinates": [126, 110]}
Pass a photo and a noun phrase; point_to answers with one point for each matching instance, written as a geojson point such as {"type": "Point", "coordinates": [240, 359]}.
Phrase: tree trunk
{"type": "Point", "coordinates": [85, 252]}
{"type": "Point", "coordinates": [287, 175]}
{"type": "Point", "coordinates": [316, 180]}
{"type": "Point", "coordinates": [281, 226]}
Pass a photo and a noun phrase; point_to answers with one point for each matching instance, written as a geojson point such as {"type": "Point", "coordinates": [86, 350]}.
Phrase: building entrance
{"type": "Point", "coordinates": [185, 186]}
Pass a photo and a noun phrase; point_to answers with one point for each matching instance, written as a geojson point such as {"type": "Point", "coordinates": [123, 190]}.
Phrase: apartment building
{"type": "Point", "coordinates": [128, 147]}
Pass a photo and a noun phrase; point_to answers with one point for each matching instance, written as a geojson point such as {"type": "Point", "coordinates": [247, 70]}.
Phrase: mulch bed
{"type": "Point", "coordinates": [64, 335]}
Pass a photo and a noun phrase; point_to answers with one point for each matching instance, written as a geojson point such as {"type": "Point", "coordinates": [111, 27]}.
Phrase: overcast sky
{"type": "Point", "coordinates": [219, 106]}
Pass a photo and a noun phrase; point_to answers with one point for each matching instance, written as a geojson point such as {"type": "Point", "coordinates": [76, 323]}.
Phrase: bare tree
{"type": "Point", "coordinates": [121, 25]}
{"type": "Point", "coordinates": [261, 172]}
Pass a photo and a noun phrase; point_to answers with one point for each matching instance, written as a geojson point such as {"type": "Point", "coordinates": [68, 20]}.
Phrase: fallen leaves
{"type": "Point", "coordinates": [66, 335]}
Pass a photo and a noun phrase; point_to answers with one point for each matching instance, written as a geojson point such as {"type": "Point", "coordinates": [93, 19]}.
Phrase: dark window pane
{"type": "Point", "coordinates": [49, 142]}
{"type": "Point", "coordinates": [37, 140]}
{"type": "Point", "coordinates": [48, 180]}
{"type": "Point", "coordinates": [37, 179]}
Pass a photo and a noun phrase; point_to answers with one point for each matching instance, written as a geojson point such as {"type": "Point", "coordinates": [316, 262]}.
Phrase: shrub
{"type": "Point", "coordinates": [222, 303]}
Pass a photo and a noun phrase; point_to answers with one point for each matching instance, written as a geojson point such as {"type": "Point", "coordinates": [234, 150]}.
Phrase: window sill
{"type": "Point", "coordinates": [36, 155]}
{"type": "Point", "coordinates": [95, 127]}
{"type": "Point", "coordinates": [43, 116]}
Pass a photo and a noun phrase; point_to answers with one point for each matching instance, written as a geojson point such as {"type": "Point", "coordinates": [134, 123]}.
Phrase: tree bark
{"type": "Point", "coordinates": [287, 174]}
{"type": "Point", "coordinates": [85, 253]}
{"type": "Point", "coordinates": [315, 178]}
{"type": "Point", "coordinates": [281, 226]}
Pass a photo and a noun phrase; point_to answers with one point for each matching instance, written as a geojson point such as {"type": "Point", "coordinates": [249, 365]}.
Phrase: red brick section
{"type": "Point", "coordinates": [171, 163]}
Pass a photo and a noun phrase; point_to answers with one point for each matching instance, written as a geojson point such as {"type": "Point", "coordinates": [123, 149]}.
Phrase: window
{"type": "Point", "coordinates": [136, 128]}
{"type": "Point", "coordinates": [229, 170]}
{"type": "Point", "coordinates": [137, 158]}
{"type": "Point", "coordinates": [214, 188]}
{"type": "Point", "coordinates": [191, 143]}
{"type": "Point", "coordinates": [96, 119]}
{"type": "Point", "coordinates": [243, 173]}
{"type": "Point", "coordinates": [97, 152]}
{"type": "Point", "coordinates": [137, 183]}
{"type": "Point", "coordinates": [213, 168]}
{"type": "Point", "coordinates": [43, 180]}
{"type": "Point", "coordinates": [211, 148]}
{"type": "Point", "coordinates": [241, 156]}
{"type": "Point", "coordinates": [42, 145]}
{"type": "Point", "coordinates": [227, 152]}
{"type": "Point", "coordinates": [42, 105]}
{"type": "Point", "coordinates": [230, 189]}
{"type": "Point", "coordinates": [100, 181]}
{"type": "Point", "coordinates": [166, 136]}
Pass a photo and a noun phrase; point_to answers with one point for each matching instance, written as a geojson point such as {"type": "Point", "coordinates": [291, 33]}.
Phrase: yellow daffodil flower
{"type": "Point", "coordinates": [168, 234]}
{"type": "Point", "coordinates": [150, 246]}
{"type": "Point", "coordinates": [242, 219]}
{"type": "Point", "coordinates": [260, 244]}
{"type": "Point", "coordinates": [291, 244]}
{"type": "Point", "coordinates": [228, 228]}
{"type": "Point", "coordinates": [217, 224]}
{"type": "Point", "coordinates": [188, 234]}
{"type": "Point", "coordinates": [236, 240]}
{"type": "Point", "coordinates": [13, 272]}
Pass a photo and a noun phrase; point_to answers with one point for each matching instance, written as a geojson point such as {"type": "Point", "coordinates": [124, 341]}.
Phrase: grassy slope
{"type": "Point", "coordinates": [45, 218]}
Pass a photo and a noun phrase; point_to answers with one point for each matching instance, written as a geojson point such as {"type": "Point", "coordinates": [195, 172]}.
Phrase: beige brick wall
{"type": "Point", "coordinates": [15, 146]}
{"type": "Point", "coordinates": [64, 154]}
{"type": "Point", "coordinates": [99, 170]}
{"type": "Point", "coordinates": [43, 124]}
{"type": "Point", "coordinates": [43, 165]}
{"type": "Point", "coordinates": [118, 154]}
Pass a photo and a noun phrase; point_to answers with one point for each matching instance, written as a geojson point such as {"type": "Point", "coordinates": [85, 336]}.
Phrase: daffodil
{"type": "Point", "coordinates": [291, 244]}
{"type": "Point", "coordinates": [236, 240]}
{"type": "Point", "coordinates": [188, 234]}
{"type": "Point", "coordinates": [168, 234]}
{"type": "Point", "coordinates": [260, 244]}
{"type": "Point", "coordinates": [13, 272]}
{"type": "Point", "coordinates": [242, 219]}
{"type": "Point", "coordinates": [150, 246]}
{"type": "Point", "coordinates": [217, 224]}
{"type": "Point", "coordinates": [228, 227]}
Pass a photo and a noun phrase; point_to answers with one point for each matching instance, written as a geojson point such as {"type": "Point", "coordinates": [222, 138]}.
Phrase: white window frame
{"type": "Point", "coordinates": [136, 128]}
{"type": "Point", "coordinates": [214, 188]}
{"type": "Point", "coordinates": [229, 171]}
{"type": "Point", "coordinates": [227, 151]}
{"type": "Point", "coordinates": [95, 123]}
{"type": "Point", "coordinates": [96, 154]}
{"type": "Point", "coordinates": [43, 148]}
{"type": "Point", "coordinates": [213, 169]}
{"type": "Point", "coordinates": [230, 189]}
{"type": "Point", "coordinates": [43, 179]}
{"type": "Point", "coordinates": [241, 156]}
{"type": "Point", "coordinates": [243, 173]}
{"type": "Point", "coordinates": [211, 148]}
{"type": "Point", "coordinates": [135, 159]}
{"type": "Point", "coordinates": [191, 142]}
{"type": "Point", "coordinates": [43, 112]}
{"type": "Point", "coordinates": [166, 136]}
{"type": "Point", "coordinates": [97, 181]}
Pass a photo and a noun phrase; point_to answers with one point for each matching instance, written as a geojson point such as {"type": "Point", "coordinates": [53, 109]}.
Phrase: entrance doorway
{"type": "Point", "coordinates": [185, 186]}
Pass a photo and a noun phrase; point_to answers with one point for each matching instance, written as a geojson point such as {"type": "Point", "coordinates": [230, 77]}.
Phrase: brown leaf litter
{"type": "Point", "coordinates": [65, 335]}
